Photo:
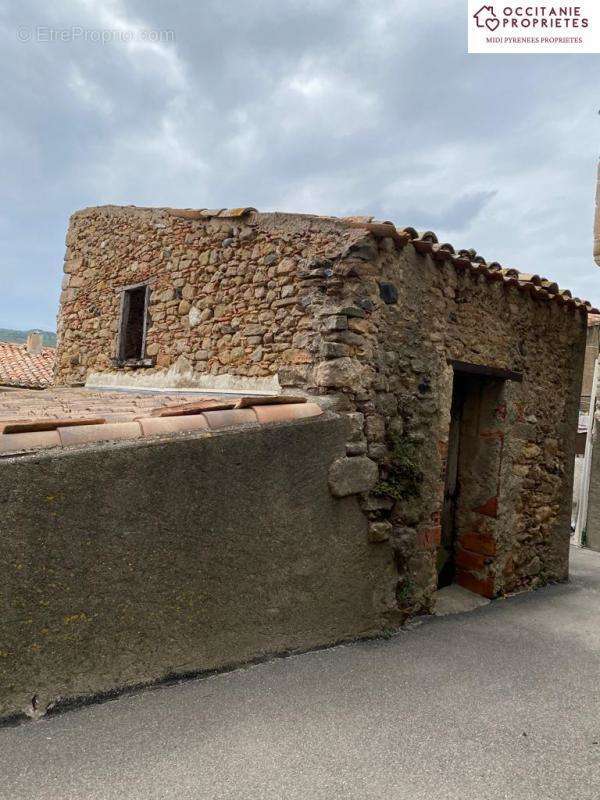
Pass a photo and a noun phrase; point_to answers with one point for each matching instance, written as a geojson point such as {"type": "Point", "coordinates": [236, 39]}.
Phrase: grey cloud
{"type": "Point", "coordinates": [321, 106]}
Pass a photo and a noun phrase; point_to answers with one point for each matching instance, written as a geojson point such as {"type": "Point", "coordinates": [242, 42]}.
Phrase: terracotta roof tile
{"type": "Point", "coordinates": [61, 404]}
{"type": "Point", "coordinates": [56, 416]}
{"type": "Point", "coordinates": [268, 400]}
{"type": "Point", "coordinates": [222, 404]}
{"type": "Point", "coordinates": [227, 419]}
{"type": "Point", "coordinates": [110, 431]}
{"type": "Point", "coordinates": [541, 288]}
{"type": "Point", "coordinates": [15, 442]}
{"type": "Point", "coordinates": [426, 243]}
{"type": "Point", "coordinates": [236, 212]}
{"type": "Point", "coordinates": [152, 426]}
{"type": "Point", "coordinates": [32, 425]}
{"type": "Point", "coordinates": [194, 407]}
{"type": "Point", "coordinates": [205, 213]}
{"type": "Point", "coordinates": [285, 413]}
{"type": "Point", "coordinates": [19, 368]}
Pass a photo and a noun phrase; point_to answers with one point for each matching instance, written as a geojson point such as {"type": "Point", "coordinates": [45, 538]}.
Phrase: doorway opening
{"type": "Point", "coordinates": [467, 548]}
{"type": "Point", "coordinates": [133, 324]}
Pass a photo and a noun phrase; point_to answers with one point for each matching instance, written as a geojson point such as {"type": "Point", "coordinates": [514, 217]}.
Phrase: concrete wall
{"type": "Point", "coordinates": [124, 563]}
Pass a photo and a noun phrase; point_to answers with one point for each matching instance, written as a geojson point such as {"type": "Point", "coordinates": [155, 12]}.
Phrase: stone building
{"type": "Point", "coordinates": [461, 379]}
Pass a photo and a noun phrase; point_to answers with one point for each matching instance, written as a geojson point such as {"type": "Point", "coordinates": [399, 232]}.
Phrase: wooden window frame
{"type": "Point", "coordinates": [124, 291]}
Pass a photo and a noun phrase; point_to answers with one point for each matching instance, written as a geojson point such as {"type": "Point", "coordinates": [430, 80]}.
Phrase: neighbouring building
{"type": "Point", "coordinates": [592, 349]}
{"type": "Point", "coordinates": [590, 533]}
{"type": "Point", "coordinates": [597, 223]}
{"type": "Point", "coordinates": [590, 523]}
{"type": "Point", "coordinates": [28, 365]}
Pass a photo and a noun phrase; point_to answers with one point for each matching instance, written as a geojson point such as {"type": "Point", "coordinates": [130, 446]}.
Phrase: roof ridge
{"type": "Point", "coordinates": [425, 242]}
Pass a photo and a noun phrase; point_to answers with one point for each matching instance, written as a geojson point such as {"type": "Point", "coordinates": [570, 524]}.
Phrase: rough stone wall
{"type": "Point", "coordinates": [400, 380]}
{"type": "Point", "coordinates": [125, 563]}
{"type": "Point", "coordinates": [228, 296]}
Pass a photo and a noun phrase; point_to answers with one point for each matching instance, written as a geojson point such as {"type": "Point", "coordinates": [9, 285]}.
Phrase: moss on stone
{"type": "Point", "coordinates": [404, 476]}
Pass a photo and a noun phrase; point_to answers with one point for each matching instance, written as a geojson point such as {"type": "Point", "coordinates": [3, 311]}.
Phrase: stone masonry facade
{"type": "Point", "coordinates": [373, 322]}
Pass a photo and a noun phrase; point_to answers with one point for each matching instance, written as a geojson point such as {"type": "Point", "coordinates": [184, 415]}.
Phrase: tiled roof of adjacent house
{"type": "Point", "coordinates": [32, 421]}
{"type": "Point", "coordinates": [20, 368]}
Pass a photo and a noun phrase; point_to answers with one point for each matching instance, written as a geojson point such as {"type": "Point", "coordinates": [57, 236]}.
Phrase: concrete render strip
{"type": "Point", "coordinates": [498, 703]}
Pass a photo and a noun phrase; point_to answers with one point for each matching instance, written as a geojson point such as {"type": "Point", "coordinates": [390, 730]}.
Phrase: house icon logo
{"type": "Point", "coordinates": [486, 18]}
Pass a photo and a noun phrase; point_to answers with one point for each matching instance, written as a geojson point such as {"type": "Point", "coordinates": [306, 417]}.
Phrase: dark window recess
{"type": "Point", "coordinates": [133, 324]}
{"type": "Point", "coordinates": [388, 293]}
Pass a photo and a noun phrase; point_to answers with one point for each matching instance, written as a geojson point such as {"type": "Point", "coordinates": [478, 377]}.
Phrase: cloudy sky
{"type": "Point", "coordinates": [325, 106]}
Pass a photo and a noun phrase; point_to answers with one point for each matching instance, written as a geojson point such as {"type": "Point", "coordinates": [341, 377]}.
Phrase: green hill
{"type": "Point", "coordinates": [10, 335]}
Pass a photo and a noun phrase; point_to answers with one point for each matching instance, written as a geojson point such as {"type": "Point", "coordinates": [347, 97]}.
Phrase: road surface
{"type": "Point", "coordinates": [503, 702]}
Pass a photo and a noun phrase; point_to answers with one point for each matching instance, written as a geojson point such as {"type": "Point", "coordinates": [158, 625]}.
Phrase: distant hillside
{"type": "Point", "coordinates": [9, 335]}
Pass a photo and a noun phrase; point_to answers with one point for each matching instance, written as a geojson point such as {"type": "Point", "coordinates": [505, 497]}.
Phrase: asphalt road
{"type": "Point", "coordinates": [503, 702]}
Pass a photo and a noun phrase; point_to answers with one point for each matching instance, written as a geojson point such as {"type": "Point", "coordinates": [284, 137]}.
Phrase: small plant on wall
{"type": "Point", "coordinates": [404, 477]}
